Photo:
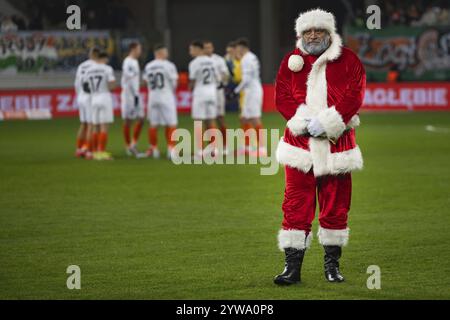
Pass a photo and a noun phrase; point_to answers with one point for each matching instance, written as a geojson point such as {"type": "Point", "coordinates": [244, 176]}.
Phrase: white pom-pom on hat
{"type": "Point", "coordinates": [295, 63]}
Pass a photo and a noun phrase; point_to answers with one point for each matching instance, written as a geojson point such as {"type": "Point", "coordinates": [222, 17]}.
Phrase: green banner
{"type": "Point", "coordinates": [35, 52]}
{"type": "Point", "coordinates": [418, 53]}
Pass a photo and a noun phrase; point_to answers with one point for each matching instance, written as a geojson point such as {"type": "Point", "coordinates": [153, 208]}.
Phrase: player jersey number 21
{"type": "Point", "coordinates": [208, 73]}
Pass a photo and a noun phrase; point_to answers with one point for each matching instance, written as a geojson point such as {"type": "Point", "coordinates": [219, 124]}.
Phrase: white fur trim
{"type": "Point", "coordinates": [316, 18]}
{"type": "Point", "coordinates": [330, 237]}
{"type": "Point", "coordinates": [298, 123]}
{"type": "Point", "coordinates": [320, 150]}
{"type": "Point", "coordinates": [319, 158]}
{"type": "Point", "coordinates": [354, 122]}
{"type": "Point", "coordinates": [293, 157]}
{"type": "Point", "coordinates": [316, 85]}
{"type": "Point", "coordinates": [295, 63]}
{"type": "Point", "coordinates": [346, 161]}
{"type": "Point", "coordinates": [325, 162]}
{"type": "Point", "coordinates": [294, 239]}
{"type": "Point", "coordinates": [332, 122]}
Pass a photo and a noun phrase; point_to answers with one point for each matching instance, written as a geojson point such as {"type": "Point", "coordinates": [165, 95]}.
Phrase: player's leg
{"type": "Point", "coordinates": [298, 207]}
{"type": "Point", "coordinates": [221, 118]}
{"type": "Point", "coordinates": [102, 142]}
{"type": "Point", "coordinates": [126, 125]}
{"type": "Point", "coordinates": [95, 121]}
{"type": "Point", "coordinates": [211, 124]}
{"type": "Point", "coordinates": [89, 138]}
{"type": "Point", "coordinates": [198, 114]}
{"type": "Point", "coordinates": [137, 131]}
{"type": "Point", "coordinates": [171, 122]}
{"type": "Point", "coordinates": [128, 116]}
{"type": "Point", "coordinates": [245, 121]}
{"type": "Point", "coordinates": [334, 201]}
{"type": "Point", "coordinates": [260, 139]}
{"type": "Point", "coordinates": [138, 125]}
{"type": "Point", "coordinates": [211, 149]}
{"type": "Point", "coordinates": [106, 117]}
{"type": "Point", "coordinates": [253, 112]}
{"type": "Point", "coordinates": [126, 121]}
{"type": "Point", "coordinates": [81, 140]}
{"type": "Point", "coordinates": [82, 134]}
{"type": "Point", "coordinates": [155, 121]}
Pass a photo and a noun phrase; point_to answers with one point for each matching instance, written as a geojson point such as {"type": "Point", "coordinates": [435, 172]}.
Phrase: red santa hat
{"type": "Point", "coordinates": [318, 19]}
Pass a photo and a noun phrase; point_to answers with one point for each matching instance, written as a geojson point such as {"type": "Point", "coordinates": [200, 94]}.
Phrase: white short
{"type": "Point", "coordinates": [203, 108]}
{"type": "Point", "coordinates": [162, 113]}
{"type": "Point", "coordinates": [84, 107]}
{"type": "Point", "coordinates": [252, 100]}
{"type": "Point", "coordinates": [220, 102]}
{"type": "Point", "coordinates": [102, 108]}
{"type": "Point", "coordinates": [128, 108]}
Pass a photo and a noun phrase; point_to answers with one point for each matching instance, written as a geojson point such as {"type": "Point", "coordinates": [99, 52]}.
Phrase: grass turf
{"type": "Point", "coordinates": [147, 229]}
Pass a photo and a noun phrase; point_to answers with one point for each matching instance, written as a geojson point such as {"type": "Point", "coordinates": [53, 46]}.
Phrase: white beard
{"type": "Point", "coordinates": [317, 49]}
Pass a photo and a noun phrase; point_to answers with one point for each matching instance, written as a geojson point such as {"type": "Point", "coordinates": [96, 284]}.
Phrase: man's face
{"type": "Point", "coordinates": [164, 53]}
{"type": "Point", "coordinates": [208, 48]}
{"type": "Point", "coordinates": [137, 51]}
{"type": "Point", "coordinates": [194, 51]}
{"type": "Point", "coordinates": [240, 50]}
{"type": "Point", "coordinates": [315, 41]}
{"type": "Point", "coordinates": [231, 51]}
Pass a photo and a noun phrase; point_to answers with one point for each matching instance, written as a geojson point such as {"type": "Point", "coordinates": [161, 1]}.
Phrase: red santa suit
{"type": "Point", "coordinates": [329, 87]}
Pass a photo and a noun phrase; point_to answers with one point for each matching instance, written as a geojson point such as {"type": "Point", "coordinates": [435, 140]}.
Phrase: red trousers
{"type": "Point", "coordinates": [299, 204]}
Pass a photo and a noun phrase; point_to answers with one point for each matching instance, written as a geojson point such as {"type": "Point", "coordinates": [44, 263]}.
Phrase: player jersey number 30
{"type": "Point", "coordinates": [156, 80]}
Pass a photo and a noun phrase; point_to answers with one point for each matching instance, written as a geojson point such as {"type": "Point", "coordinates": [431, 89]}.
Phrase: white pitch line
{"type": "Point", "coordinates": [431, 128]}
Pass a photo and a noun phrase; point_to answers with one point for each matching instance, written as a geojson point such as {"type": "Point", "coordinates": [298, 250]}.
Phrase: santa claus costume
{"type": "Point", "coordinates": [328, 90]}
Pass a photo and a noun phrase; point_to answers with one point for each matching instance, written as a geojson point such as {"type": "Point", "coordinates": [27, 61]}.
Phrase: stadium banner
{"type": "Point", "coordinates": [45, 103]}
{"type": "Point", "coordinates": [17, 104]}
{"type": "Point", "coordinates": [48, 51]}
{"type": "Point", "coordinates": [418, 53]}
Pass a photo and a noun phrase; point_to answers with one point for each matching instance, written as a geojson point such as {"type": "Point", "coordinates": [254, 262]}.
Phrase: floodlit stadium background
{"type": "Point", "coordinates": [150, 229]}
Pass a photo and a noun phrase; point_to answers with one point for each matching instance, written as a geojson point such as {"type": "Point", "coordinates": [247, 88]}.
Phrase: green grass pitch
{"type": "Point", "coordinates": [147, 229]}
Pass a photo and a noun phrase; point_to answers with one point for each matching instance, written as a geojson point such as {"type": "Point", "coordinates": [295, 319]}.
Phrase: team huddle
{"type": "Point", "coordinates": [209, 75]}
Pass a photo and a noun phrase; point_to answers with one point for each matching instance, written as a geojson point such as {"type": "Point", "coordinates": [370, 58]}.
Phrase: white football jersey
{"type": "Point", "coordinates": [80, 73]}
{"type": "Point", "coordinates": [203, 70]}
{"type": "Point", "coordinates": [130, 81]}
{"type": "Point", "coordinates": [161, 77]}
{"type": "Point", "coordinates": [221, 66]}
{"type": "Point", "coordinates": [98, 75]}
{"type": "Point", "coordinates": [250, 71]}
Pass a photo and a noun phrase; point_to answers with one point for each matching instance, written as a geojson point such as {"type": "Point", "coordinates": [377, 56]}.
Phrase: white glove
{"type": "Point", "coordinates": [315, 128]}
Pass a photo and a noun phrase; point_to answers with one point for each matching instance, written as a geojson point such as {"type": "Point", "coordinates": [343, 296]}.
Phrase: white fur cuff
{"type": "Point", "coordinates": [331, 122]}
{"type": "Point", "coordinates": [346, 161]}
{"type": "Point", "coordinates": [293, 157]}
{"type": "Point", "coordinates": [298, 123]}
{"type": "Point", "coordinates": [330, 237]}
{"type": "Point", "coordinates": [294, 239]}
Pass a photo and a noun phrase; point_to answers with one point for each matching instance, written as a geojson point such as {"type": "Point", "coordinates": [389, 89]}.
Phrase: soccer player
{"type": "Point", "coordinates": [222, 69]}
{"type": "Point", "coordinates": [131, 105]}
{"type": "Point", "coordinates": [203, 81]}
{"type": "Point", "coordinates": [84, 108]}
{"type": "Point", "coordinates": [161, 77]}
{"type": "Point", "coordinates": [98, 80]}
{"type": "Point", "coordinates": [252, 94]}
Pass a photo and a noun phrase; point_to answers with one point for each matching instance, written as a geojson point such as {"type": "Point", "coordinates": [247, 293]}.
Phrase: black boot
{"type": "Point", "coordinates": [332, 255]}
{"type": "Point", "coordinates": [292, 267]}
